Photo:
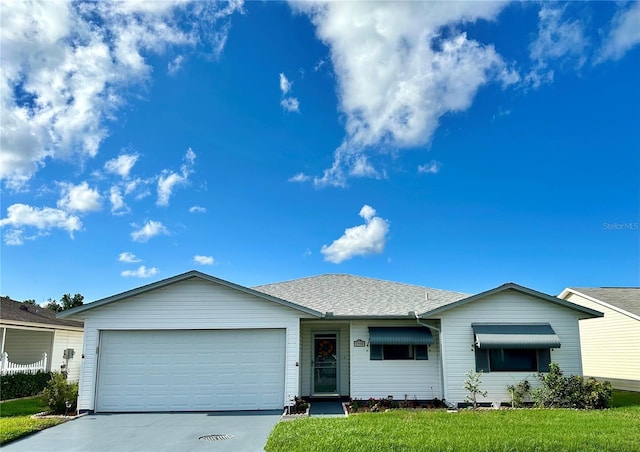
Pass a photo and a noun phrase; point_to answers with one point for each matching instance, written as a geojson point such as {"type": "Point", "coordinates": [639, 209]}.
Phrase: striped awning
{"type": "Point", "coordinates": [400, 336]}
{"type": "Point", "coordinates": [515, 335]}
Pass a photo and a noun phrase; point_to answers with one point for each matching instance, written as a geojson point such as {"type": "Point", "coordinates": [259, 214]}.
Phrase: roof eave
{"type": "Point", "coordinates": [569, 290]}
{"type": "Point", "coordinates": [179, 278]}
{"type": "Point", "coordinates": [517, 288]}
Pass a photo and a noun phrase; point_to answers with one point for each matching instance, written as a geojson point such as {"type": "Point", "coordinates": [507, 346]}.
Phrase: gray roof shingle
{"type": "Point", "coordinates": [349, 295]}
{"type": "Point", "coordinates": [11, 310]}
{"type": "Point", "coordinates": [627, 298]}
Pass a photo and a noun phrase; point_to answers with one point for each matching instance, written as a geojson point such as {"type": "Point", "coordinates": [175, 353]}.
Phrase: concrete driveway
{"type": "Point", "coordinates": [155, 432]}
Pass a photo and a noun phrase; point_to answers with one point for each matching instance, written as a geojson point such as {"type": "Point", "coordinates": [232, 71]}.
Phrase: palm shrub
{"type": "Point", "coordinates": [60, 395]}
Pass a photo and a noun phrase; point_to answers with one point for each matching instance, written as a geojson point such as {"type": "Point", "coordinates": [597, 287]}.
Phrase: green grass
{"type": "Point", "coordinates": [16, 420]}
{"type": "Point", "coordinates": [23, 407]}
{"type": "Point", "coordinates": [625, 398]}
{"type": "Point", "coordinates": [494, 430]}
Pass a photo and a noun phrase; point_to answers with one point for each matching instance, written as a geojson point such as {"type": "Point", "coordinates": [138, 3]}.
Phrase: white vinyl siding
{"type": "Point", "coordinates": [308, 328]}
{"type": "Point", "coordinates": [504, 307]}
{"type": "Point", "coordinates": [25, 346]}
{"type": "Point", "coordinates": [413, 379]}
{"type": "Point", "coordinates": [193, 304]}
{"type": "Point", "coordinates": [64, 339]}
{"type": "Point", "coordinates": [191, 370]}
{"type": "Point", "coordinates": [610, 345]}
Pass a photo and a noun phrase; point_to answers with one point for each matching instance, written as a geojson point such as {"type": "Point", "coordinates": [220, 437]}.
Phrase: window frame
{"type": "Point", "coordinates": [483, 359]}
{"type": "Point", "coordinates": [415, 352]}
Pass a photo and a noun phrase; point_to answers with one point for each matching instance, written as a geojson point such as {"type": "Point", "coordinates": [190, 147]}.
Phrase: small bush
{"type": "Point", "coordinates": [558, 391]}
{"type": "Point", "coordinates": [17, 386]}
{"type": "Point", "coordinates": [519, 393]}
{"type": "Point", "coordinates": [472, 386]}
{"type": "Point", "coordinates": [60, 395]}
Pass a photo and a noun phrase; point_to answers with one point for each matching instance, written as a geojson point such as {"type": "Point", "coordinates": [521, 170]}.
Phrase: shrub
{"type": "Point", "coordinates": [22, 385]}
{"type": "Point", "coordinates": [60, 395]}
{"type": "Point", "coordinates": [558, 391]}
{"type": "Point", "coordinates": [472, 386]}
{"type": "Point", "coordinates": [518, 393]}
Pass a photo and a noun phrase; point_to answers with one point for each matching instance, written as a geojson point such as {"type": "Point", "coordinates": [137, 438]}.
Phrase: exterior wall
{"type": "Point", "coordinates": [610, 345]}
{"type": "Point", "coordinates": [414, 379]}
{"type": "Point", "coordinates": [513, 307]}
{"type": "Point", "coordinates": [26, 346]}
{"type": "Point", "coordinates": [62, 340]}
{"type": "Point", "coordinates": [190, 304]}
{"type": "Point", "coordinates": [308, 328]}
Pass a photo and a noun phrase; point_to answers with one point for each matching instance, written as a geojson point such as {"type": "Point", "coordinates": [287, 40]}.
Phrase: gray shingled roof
{"type": "Point", "coordinates": [627, 298]}
{"type": "Point", "coordinates": [348, 295]}
{"type": "Point", "coordinates": [11, 310]}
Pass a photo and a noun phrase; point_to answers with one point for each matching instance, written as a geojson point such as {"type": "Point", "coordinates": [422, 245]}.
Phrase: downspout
{"type": "Point", "coordinates": [431, 327]}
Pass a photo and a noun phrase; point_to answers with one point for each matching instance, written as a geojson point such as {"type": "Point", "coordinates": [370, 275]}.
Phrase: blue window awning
{"type": "Point", "coordinates": [400, 336]}
{"type": "Point", "coordinates": [515, 335]}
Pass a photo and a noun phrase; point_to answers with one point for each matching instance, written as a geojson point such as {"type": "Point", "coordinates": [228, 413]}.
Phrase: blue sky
{"type": "Point", "coordinates": [451, 145]}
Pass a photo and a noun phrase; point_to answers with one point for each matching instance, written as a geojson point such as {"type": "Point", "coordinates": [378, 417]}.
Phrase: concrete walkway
{"type": "Point", "coordinates": [154, 432]}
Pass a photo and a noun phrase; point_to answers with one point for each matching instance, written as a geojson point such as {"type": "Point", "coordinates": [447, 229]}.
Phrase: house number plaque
{"type": "Point", "coordinates": [359, 343]}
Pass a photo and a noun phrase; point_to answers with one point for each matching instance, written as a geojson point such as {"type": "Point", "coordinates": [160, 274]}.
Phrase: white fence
{"type": "Point", "coordinates": [9, 368]}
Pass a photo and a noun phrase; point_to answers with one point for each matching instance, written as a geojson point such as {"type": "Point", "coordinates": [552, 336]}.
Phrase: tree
{"type": "Point", "coordinates": [30, 301]}
{"type": "Point", "coordinates": [53, 305]}
{"type": "Point", "coordinates": [68, 302]}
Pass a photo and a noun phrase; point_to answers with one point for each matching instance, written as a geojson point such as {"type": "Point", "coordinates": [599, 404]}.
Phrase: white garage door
{"type": "Point", "coordinates": [206, 370]}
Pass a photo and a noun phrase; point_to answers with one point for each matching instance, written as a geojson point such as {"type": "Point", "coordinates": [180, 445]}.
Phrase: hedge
{"type": "Point", "coordinates": [23, 385]}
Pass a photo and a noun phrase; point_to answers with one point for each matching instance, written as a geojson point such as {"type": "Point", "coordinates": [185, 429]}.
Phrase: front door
{"type": "Point", "coordinates": [325, 363]}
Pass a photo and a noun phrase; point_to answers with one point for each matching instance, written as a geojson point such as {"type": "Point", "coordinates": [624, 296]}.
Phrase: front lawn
{"type": "Point", "coordinates": [16, 420]}
{"type": "Point", "coordinates": [493, 430]}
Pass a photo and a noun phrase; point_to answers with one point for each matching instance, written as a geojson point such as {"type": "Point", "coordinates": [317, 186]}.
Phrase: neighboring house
{"type": "Point", "coordinates": [27, 331]}
{"type": "Point", "coordinates": [194, 342]}
{"type": "Point", "coordinates": [610, 345]}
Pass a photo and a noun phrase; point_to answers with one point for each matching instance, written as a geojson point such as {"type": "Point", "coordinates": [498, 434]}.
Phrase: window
{"type": "Point", "coordinates": [514, 347]}
{"type": "Point", "coordinates": [388, 352]}
{"type": "Point", "coordinates": [513, 360]}
{"type": "Point", "coordinates": [399, 343]}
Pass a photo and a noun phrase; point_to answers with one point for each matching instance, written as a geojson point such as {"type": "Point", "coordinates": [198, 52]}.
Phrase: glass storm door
{"type": "Point", "coordinates": [325, 363]}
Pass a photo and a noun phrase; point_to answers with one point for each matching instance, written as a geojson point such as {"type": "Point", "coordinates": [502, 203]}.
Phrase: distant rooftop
{"type": "Point", "coordinates": [349, 295]}
{"type": "Point", "coordinates": [12, 310]}
{"type": "Point", "coordinates": [627, 298]}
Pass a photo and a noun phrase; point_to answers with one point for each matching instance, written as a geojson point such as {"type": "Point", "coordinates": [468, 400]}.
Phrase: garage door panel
{"type": "Point", "coordinates": [191, 370]}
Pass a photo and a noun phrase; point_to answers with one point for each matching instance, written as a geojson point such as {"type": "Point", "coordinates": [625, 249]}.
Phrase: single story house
{"type": "Point", "coordinates": [27, 332]}
{"type": "Point", "coordinates": [610, 344]}
{"type": "Point", "coordinates": [194, 342]}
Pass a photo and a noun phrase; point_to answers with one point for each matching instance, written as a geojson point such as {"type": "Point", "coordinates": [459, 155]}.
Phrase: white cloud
{"type": "Point", "coordinates": [118, 206]}
{"type": "Point", "coordinates": [558, 40]}
{"type": "Point", "coordinates": [400, 67]}
{"type": "Point", "coordinates": [20, 216]}
{"type": "Point", "coordinates": [285, 84]}
{"type": "Point", "coordinates": [175, 65]}
{"type": "Point", "coordinates": [197, 209]}
{"type": "Point", "coordinates": [79, 198]}
{"type": "Point", "coordinates": [432, 167]}
{"type": "Point", "coordinates": [300, 177]}
{"type": "Point", "coordinates": [121, 165]}
{"type": "Point", "coordinates": [624, 34]}
{"type": "Point", "coordinates": [66, 66]}
{"type": "Point", "coordinates": [290, 104]}
{"type": "Point", "coordinates": [168, 180]}
{"type": "Point", "coordinates": [129, 258]}
{"type": "Point", "coordinates": [140, 272]}
{"type": "Point", "coordinates": [366, 239]}
{"type": "Point", "coordinates": [149, 230]}
{"type": "Point", "coordinates": [203, 260]}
